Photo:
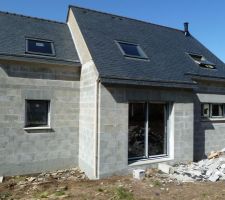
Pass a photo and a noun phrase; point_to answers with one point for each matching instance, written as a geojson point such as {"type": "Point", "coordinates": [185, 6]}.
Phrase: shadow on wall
{"type": "Point", "coordinates": [124, 94]}
{"type": "Point", "coordinates": [40, 130]}
{"type": "Point", "coordinates": [41, 71]}
{"type": "Point", "coordinates": [200, 129]}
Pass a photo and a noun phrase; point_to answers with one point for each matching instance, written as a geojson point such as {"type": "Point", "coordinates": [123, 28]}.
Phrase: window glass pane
{"type": "Point", "coordinates": [196, 57]}
{"type": "Point", "coordinates": [217, 110]}
{"type": "Point", "coordinates": [205, 110]}
{"type": "Point", "coordinates": [157, 135]}
{"type": "Point", "coordinates": [136, 138]}
{"type": "Point", "coordinates": [130, 49]}
{"type": "Point", "coordinates": [37, 46]}
{"type": "Point", "coordinates": [36, 113]}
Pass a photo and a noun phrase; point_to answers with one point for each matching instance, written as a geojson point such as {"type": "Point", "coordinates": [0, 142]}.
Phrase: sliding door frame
{"type": "Point", "coordinates": [166, 131]}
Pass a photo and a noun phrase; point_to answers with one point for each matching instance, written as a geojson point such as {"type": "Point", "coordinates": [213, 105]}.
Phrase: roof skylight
{"type": "Point", "coordinates": [131, 50]}
{"type": "Point", "coordinates": [201, 61]}
{"type": "Point", "coordinates": [41, 47]}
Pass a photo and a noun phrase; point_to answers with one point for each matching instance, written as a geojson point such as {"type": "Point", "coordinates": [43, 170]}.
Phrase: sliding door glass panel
{"type": "Point", "coordinates": [137, 121]}
{"type": "Point", "coordinates": [157, 138]}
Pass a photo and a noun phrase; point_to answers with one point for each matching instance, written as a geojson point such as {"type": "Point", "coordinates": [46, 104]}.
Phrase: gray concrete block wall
{"type": "Point", "coordinates": [23, 151]}
{"type": "Point", "coordinates": [209, 135]}
{"type": "Point", "coordinates": [88, 102]}
{"type": "Point", "coordinates": [87, 120]}
{"type": "Point", "coordinates": [113, 133]}
{"type": "Point", "coordinates": [40, 71]}
{"type": "Point", "coordinates": [183, 131]}
{"type": "Point", "coordinates": [81, 47]}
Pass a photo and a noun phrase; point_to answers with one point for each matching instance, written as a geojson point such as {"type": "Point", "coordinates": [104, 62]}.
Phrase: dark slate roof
{"type": "Point", "coordinates": [166, 48]}
{"type": "Point", "coordinates": [15, 28]}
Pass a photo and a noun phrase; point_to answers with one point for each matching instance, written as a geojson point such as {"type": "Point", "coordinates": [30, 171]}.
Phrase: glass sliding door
{"type": "Point", "coordinates": [157, 134]}
{"type": "Point", "coordinates": [147, 130]}
{"type": "Point", "coordinates": [137, 123]}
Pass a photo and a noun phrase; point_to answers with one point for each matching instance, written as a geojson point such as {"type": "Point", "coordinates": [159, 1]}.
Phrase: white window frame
{"type": "Point", "coordinates": [142, 56]}
{"type": "Point", "coordinates": [168, 130]}
{"type": "Point", "coordinates": [211, 116]}
{"type": "Point", "coordinates": [170, 141]}
{"type": "Point", "coordinates": [39, 53]}
{"type": "Point", "coordinates": [202, 112]}
{"type": "Point", "coordinates": [48, 125]}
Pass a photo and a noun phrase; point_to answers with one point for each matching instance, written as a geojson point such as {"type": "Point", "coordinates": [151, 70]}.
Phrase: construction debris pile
{"type": "Point", "coordinates": [73, 174]}
{"type": "Point", "coordinates": [211, 169]}
{"type": "Point", "coordinates": [68, 174]}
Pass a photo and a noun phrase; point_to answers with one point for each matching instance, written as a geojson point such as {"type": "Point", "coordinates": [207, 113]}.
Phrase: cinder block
{"type": "Point", "coordinates": [138, 174]}
{"type": "Point", "coordinates": [165, 168]}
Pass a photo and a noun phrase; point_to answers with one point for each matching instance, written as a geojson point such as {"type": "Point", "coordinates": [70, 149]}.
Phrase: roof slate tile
{"type": "Point", "coordinates": [15, 28]}
{"type": "Point", "coordinates": [165, 47]}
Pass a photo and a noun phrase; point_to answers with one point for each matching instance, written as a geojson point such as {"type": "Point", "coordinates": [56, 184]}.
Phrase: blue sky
{"type": "Point", "coordinates": [206, 17]}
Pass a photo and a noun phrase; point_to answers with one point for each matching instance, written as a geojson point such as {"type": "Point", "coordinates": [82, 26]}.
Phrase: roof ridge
{"type": "Point", "coordinates": [120, 16]}
{"type": "Point", "coordinates": [30, 17]}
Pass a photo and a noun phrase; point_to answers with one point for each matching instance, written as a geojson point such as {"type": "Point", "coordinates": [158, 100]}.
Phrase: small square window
{"type": "Point", "coordinates": [37, 113]}
{"type": "Point", "coordinates": [212, 110]}
{"type": "Point", "coordinates": [205, 110]}
{"type": "Point", "coordinates": [42, 47]}
{"type": "Point", "coordinates": [131, 50]}
{"type": "Point", "coordinates": [202, 62]}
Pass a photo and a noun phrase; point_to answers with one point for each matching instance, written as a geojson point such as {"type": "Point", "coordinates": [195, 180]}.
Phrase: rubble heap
{"type": "Point", "coordinates": [73, 174]}
{"type": "Point", "coordinates": [66, 174]}
{"type": "Point", "coordinates": [212, 169]}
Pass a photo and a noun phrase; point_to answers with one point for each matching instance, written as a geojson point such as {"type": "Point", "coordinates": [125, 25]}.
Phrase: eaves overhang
{"type": "Point", "coordinates": [39, 59]}
{"type": "Point", "coordinates": [155, 83]}
{"type": "Point", "coordinates": [197, 77]}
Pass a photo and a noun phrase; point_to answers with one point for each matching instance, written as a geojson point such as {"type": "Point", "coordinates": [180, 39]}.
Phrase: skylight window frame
{"type": "Point", "coordinates": [142, 56]}
{"type": "Point", "coordinates": [53, 54]}
{"type": "Point", "coordinates": [211, 67]}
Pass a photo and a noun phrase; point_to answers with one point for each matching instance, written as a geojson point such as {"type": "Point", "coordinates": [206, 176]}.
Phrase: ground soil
{"type": "Point", "coordinates": [118, 187]}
